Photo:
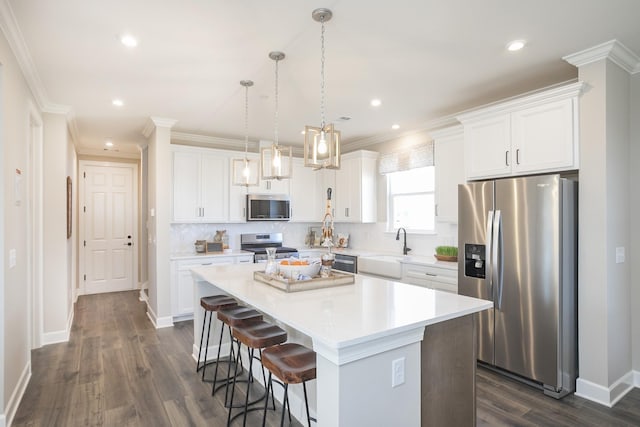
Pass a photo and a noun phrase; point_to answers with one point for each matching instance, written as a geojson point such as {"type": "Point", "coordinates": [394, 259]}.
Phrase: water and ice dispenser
{"type": "Point", "coordinates": [474, 260]}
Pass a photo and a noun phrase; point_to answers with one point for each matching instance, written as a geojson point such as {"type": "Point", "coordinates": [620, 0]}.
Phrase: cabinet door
{"type": "Point", "coordinates": [488, 147]}
{"type": "Point", "coordinates": [275, 186]}
{"type": "Point", "coordinates": [215, 188]}
{"type": "Point", "coordinates": [186, 186]}
{"type": "Point", "coordinates": [238, 203]}
{"type": "Point", "coordinates": [347, 194]}
{"type": "Point", "coordinates": [305, 203]}
{"type": "Point", "coordinates": [543, 137]}
{"type": "Point", "coordinates": [184, 293]}
{"type": "Point", "coordinates": [449, 155]}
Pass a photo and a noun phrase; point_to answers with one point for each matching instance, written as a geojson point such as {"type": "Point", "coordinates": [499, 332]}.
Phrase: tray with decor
{"type": "Point", "coordinates": [286, 284]}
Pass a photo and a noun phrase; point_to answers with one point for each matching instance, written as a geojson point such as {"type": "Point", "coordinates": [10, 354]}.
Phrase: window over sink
{"type": "Point", "coordinates": [411, 199]}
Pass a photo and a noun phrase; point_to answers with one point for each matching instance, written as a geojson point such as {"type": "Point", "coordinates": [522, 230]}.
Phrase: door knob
{"type": "Point", "coordinates": [128, 244]}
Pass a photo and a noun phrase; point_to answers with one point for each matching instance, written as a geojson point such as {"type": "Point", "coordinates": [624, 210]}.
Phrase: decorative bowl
{"type": "Point", "coordinates": [294, 271]}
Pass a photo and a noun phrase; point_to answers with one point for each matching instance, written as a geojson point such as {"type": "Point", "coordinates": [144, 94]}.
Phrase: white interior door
{"type": "Point", "coordinates": [108, 223]}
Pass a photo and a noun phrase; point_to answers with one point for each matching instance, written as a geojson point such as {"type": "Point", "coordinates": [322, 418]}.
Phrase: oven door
{"type": "Point", "coordinates": [347, 263]}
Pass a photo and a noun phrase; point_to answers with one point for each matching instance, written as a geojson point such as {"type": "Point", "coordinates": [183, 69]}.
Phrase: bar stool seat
{"type": "Point", "coordinates": [232, 316]}
{"type": "Point", "coordinates": [292, 364]}
{"type": "Point", "coordinates": [257, 335]}
{"type": "Point", "coordinates": [211, 304]}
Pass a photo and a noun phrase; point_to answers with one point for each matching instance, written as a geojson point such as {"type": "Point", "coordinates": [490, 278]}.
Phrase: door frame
{"type": "Point", "coordinates": [81, 289]}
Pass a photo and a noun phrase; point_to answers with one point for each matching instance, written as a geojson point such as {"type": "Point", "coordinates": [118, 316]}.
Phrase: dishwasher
{"type": "Point", "coordinates": [346, 263]}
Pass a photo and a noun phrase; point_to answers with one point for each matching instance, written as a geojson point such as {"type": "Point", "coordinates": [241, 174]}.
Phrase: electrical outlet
{"type": "Point", "coordinates": [12, 258]}
{"type": "Point", "coordinates": [620, 255]}
{"type": "Point", "coordinates": [397, 372]}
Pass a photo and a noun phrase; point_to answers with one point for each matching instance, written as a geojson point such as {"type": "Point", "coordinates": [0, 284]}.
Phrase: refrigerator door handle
{"type": "Point", "coordinates": [488, 261]}
{"type": "Point", "coordinates": [496, 258]}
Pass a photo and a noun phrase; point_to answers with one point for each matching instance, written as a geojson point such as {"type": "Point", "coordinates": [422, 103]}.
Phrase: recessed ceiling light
{"type": "Point", "coordinates": [108, 143]}
{"type": "Point", "coordinates": [302, 132]}
{"type": "Point", "coordinates": [117, 102]}
{"type": "Point", "coordinates": [395, 126]}
{"type": "Point", "coordinates": [515, 45]}
{"type": "Point", "coordinates": [376, 102]}
{"type": "Point", "coordinates": [128, 40]}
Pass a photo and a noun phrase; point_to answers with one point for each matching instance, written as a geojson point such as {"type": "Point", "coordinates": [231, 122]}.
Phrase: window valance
{"type": "Point", "coordinates": [415, 157]}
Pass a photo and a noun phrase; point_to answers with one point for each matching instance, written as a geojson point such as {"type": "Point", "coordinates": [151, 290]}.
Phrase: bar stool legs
{"type": "Point", "coordinates": [211, 304]}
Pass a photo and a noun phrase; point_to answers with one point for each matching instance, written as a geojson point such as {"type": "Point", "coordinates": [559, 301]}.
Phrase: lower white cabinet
{"type": "Point", "coordinates": [182, 297]}
{"type": "Point", "coordinates": [442, 279]}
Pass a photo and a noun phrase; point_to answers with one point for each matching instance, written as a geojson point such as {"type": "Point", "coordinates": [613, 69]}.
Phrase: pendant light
{"type": "Point", "coordinates": [245, 171]}
{"type": "Point", "coordinates": [276, 160]}
{"type": "Point", "coordinates": [322, 144]}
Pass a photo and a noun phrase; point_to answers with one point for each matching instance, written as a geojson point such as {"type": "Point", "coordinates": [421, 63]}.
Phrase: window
{"type": "Point", "coordinates": [411, 196]}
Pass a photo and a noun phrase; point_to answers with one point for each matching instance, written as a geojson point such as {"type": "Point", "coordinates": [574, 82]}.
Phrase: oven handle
{"type": "Point", "coordinates": [343, 261]}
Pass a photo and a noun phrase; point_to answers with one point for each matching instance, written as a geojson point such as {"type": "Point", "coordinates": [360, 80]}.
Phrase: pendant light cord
{"type": "Point", "coordinates": [275, 138]}
{"type": "Point", "coordinates": [246, 122]}
{"type": "Point", "coordinates": [322, 74]}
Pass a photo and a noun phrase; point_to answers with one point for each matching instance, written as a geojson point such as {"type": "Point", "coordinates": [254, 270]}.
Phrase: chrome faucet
{"type": "Point", "coordinates": [405, 249]}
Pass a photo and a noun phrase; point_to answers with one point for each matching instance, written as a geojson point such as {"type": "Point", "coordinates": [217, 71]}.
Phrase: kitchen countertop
{"type": "Point", "coordinates": [336, 318]}
{"type": "Point", "coordinates": [195, 255]}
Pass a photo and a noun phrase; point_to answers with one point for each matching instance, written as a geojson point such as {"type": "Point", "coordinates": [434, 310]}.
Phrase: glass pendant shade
{"type": "Point", "coordinates": [322, 147]}
{"type": "Point", "coordinates": [275, 162]}
{"type": "Point", "coordinates": [245, 172]}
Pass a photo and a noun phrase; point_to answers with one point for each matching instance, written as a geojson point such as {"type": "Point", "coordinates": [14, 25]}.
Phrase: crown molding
{"type": "Point", "coordinates": [157, 122]}
{"type": "Point", "coordinates": [213, 141]}
{"type": "Point", "coordinates": [613, 50]}
{"type": "Point", "coordinates": [530, 99]}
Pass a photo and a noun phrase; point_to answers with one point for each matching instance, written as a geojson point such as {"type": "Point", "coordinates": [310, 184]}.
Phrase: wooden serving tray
{"type": "Point", "coordinates": [337, 278]}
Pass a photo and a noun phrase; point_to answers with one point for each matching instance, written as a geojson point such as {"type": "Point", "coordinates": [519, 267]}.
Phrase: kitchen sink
{"type": "Point", "coordinates": [389, 266]}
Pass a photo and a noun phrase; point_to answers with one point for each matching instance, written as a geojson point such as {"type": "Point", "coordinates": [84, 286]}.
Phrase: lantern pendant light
{"type": "Point", "coordinates": [276, 160]}
{"type": "Point", "coordinates": [322, 144]}
{"type": "Point", "coordinates": [245, 171]}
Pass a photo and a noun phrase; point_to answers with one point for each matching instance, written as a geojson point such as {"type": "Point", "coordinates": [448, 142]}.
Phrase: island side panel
{"type": "Point", "coordinates": [449, 354]}
{"type": "Point", "coordinates": [360, 393]}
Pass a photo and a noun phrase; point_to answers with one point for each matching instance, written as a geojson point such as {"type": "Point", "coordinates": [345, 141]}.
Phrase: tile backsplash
{"type": "Point", "coordinates": [369, 237]}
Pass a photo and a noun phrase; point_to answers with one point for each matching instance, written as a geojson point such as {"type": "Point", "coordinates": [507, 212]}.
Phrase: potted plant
{"type": "Point", "coordinates": [446, 253]}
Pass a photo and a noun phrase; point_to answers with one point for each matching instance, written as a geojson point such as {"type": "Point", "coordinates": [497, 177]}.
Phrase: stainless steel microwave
{"type": "Point", "coordinates": [268, 207]}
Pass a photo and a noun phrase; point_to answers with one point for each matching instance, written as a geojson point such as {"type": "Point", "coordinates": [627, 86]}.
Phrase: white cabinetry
{"type": "Point", "coordinates": [449, 155]}
{"type": "Point", "coordinates": [533, 134]}
{"type": "Point", "coordinates": [182, 297]}
{"type": "Point", "coordinates": [306, 202]}
{"type": "Point", "coordinates": [355, 189]}
{"type": "Point", "coordinates": [200, 186]}
{"type": "Point", "coordinates": [275, 186]}
{"type": "Point", "coordinates": [443, 279]}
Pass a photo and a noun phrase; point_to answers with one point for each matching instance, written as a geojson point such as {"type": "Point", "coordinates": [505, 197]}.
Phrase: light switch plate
{"type": "Point", "coordinates": [397, 372]}
{"type": "Point", "coordinates": [12, 258]}
{"type": "Point", "coordinates": [620, 255]}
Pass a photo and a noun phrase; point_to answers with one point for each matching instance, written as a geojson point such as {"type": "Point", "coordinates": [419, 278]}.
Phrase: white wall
{"type": "Point", "coordinates": [603, 290]}
{"type": "Point", "coordinates": [57, 309]}
{"type": "Point", "coordinates": [159, 224]}
{"type": "Point", "coordinates": [634, 200]}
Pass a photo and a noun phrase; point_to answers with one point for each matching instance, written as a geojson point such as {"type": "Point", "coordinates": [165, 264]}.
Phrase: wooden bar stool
{"type": "Point", "coordinates": [233, 316]}
{"type": "Point", "coordinates": [211, 304]}
{"type": "Point", "coordinates": [255, 336]}
{"type": "Point", "coordinates": [292, 364]}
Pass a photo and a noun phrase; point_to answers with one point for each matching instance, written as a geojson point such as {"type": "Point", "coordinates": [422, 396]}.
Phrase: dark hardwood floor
{"type": "Point", "coordinates": [117, 370]}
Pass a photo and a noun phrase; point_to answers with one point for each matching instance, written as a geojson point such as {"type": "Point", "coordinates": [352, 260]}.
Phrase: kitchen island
{"type": "Point", "coordinates": [387, 353]}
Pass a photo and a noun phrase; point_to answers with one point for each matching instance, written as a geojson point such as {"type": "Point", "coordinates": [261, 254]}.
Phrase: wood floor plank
{"type": "Point", "coordinates": [117, 370]}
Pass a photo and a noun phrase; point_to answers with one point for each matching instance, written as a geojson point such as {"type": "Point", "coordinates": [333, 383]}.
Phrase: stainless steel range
{"type": "Point", "coordinates": [258, 244]}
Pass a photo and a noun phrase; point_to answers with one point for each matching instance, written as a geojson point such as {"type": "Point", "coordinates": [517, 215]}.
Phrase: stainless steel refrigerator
{"type": "Point", "coordinates": [518, 241]}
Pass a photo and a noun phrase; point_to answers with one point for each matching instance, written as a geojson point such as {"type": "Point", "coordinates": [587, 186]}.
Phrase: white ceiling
{"type": "Point", "coordinates": [425, 59]}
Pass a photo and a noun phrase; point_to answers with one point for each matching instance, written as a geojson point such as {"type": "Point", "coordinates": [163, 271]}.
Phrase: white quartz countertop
{"type": "Point", "coordinates": [195, 255]}
{"type": "Point", "coordinates": [343, 316]}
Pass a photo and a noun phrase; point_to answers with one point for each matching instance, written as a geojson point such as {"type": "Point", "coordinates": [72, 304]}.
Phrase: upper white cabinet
{"type": "Point", "coordinates": [306, 202]}
{"type": "Point", "coordinates": [355, 188]}
{"type": "Point", "coordinates": [449, 155]}
{"type": "Point", "coordinates": [274, 186]}
{"type": "Point", "coordinates": [533, 134]}
{"type": "Point", "coordinates": [200, 186]}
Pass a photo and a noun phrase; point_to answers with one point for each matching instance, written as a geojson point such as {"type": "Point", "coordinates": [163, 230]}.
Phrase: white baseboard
{"type": "Point", "coordinates": [143, 295]}
{"type": "Point", "coordinates": [159, 322]}
{"type": "Point", "coordinates": [16, 396]}
{"type": "Point", "coordinates": [607, 396]}
{"type": "Point", "coordinates": [59, 336]}
{"type": "Point", "coordinates": [636, 379]}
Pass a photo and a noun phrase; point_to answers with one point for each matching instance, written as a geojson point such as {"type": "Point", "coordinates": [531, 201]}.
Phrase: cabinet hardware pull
{"type": "Point", "coordinates": [517, 156]}
{"type": "Point", "coordinates": [430, 274]}
{"type": "Point", "coordinates": [206, 263]}
{"type": "Point", "coordinates": [506, 157]}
